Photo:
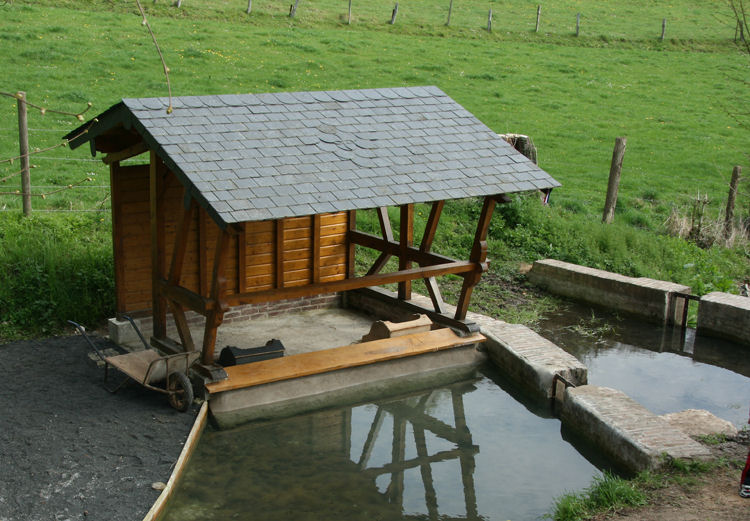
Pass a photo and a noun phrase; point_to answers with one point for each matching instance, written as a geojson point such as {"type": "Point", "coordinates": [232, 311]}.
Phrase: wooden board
{"type": "Point", "coordinates": [354, 355]}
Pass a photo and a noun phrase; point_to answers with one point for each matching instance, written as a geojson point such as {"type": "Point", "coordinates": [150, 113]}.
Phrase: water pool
{"type": "Point", "coordinates": [467, 450]}
{"type": "Point", "coordinates": [658, 367]}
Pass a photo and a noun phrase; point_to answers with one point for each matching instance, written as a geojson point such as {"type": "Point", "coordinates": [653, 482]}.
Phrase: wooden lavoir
{"type": "Point", "coordinates": [247, 199]}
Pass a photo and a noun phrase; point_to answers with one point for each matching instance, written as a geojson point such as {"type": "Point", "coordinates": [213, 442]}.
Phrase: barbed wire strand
{"type": "Point", "coordinates": [61, 144]}
{"type": "Point", "coordinates": [44, 110]}
{"type": "Point", "coordinates": [156, 44]}
{"type": "Point", "coordinates": [45, 195]}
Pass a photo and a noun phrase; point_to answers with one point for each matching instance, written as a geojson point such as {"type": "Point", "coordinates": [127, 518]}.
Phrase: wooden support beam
{"type": "Point", "coordinates": [202, 252]}
{"type": "Point", "coordinates": [135, 150]}
{"type": "Point", "coordinates": [425, 246]}
{"type": "Point", "coordinates": [431, 227]}
{"type": "Point", "coordinates": [351, 248]}
{"type": "Point", "coordinates": [393, 248]}
{"type": "Point", "coordinates": [158, 267]}
{"type": "Point", "coordinates": [387, 231]}
{"type": "Point", "coordinates": [186, 298]}
{"type": "Point", "coordinates": [118, 246]}
{"type": "Point", "coordinates": [478, 257]}
{"type": "Point", "coordinates": [218, 288]}
{"type": "Point", "coordinates": [175, 270]}
{"type": "Point", "coordinates": [279, 224]}
{"type": "Point", "coordinates": [385, 223]}
{"type": "Point", "coordinates": [242, 259]}
{"type": "Point", "coordinates": [406, 241]}
{"type": "Point", "coordinates": [457, 267]}
{"type": "Point", "coordinates": [316, 249]}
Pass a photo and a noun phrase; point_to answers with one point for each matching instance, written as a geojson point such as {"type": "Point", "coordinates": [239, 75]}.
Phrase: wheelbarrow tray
{"type": "Point", "coordinates": [149, 366]}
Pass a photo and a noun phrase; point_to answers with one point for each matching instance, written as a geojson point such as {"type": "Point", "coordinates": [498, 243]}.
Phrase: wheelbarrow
{"type": "Point", "coordinates": [164, 374]}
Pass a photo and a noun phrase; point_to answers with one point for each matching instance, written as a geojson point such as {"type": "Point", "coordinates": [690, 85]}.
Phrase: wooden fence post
{"type": "Point", "coordinates": [489, 21]}
{"type": "Point", "coordinates": [293, 9]}
{"type": "Point", "coordinates": [578, 23]}
{"type": "Point", "coordinates": [450, 11]}
{"type": "Point", "coordinates": [663, 28]}
{"type": "Point", "coordinates": [614, 180]}
{"type": "Point", "coordinates": [23, 141]}
{"type": "Point", "coordinates": [394, 14]}
{"type": "Point", "coordinates": [349, 16]}
{"type": "Point", "coordinates": [538, 17]}
{"type": "Point", "coordinates": [729, 217]}
{"type": "Point", "coordinates": [249, 6]}
{"type": "Point", "coordinates": [179, 4]}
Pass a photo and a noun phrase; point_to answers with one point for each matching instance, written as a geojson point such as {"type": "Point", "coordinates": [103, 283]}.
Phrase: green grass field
{"type": "Point", "coordinates": [676, 100]}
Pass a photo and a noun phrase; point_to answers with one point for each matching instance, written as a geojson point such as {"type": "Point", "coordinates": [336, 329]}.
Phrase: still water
{"type": "Point", "coordinates": [468, 450]}
{"type": "Point", "coordinates": [657, 367]}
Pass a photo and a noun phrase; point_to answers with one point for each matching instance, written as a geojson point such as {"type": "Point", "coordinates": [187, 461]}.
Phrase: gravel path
{"type": "Point", "coordinates": [70, 450]}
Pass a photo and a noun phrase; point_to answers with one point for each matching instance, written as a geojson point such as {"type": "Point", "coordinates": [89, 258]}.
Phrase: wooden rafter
{"type": "Point", "coordinates": [132, 151]}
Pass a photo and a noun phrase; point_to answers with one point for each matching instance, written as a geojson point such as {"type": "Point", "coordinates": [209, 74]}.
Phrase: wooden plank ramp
{"type": "Point", "coordinates": [353, 355]}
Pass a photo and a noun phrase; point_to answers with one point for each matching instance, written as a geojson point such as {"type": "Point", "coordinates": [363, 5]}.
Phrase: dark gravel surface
{"type": "Point", "coordinates": [69, 449]}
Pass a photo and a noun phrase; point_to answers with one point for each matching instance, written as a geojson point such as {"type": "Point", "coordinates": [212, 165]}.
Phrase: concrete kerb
{"type": "Point", "coordinates": [725, 316]}
{"type": "Point", "coordinates": [647, 298]}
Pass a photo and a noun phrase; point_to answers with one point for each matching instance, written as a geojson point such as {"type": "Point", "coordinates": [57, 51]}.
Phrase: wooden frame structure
{"type": "Point", "coordinates": [207, 256]}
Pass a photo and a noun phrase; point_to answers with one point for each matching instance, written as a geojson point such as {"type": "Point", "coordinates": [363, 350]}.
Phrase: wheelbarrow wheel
{"type": "Point", "coordinates": [180, 391]}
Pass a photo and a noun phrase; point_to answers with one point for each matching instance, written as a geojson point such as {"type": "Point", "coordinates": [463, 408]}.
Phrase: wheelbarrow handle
{"type": "Point", "coordinates": [138, 331]}
{"type": "Point", "coordinates": [80, 329]}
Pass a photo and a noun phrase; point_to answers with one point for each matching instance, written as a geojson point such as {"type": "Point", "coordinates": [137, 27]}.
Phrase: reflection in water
{"type": "Point", "coordinates": [464, 451]}
{"type": "Point", "coordinates": [662, 368]}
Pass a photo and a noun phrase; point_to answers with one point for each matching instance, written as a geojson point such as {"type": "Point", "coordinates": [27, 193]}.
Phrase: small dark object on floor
{"type": "Point", "coordinates": [232, 355]}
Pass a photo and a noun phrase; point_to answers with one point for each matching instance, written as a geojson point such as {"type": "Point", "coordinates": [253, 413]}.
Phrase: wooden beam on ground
{"type": "Point", "coordinates": [135, 150]}
{"type": "Point", "coordinates": [218, 288]}
{"type": "Point", "coordinates": [327, 360]}
{"type": "Point", "coordinates": [406, 241]}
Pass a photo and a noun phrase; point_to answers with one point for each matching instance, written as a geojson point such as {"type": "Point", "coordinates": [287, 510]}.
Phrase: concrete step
{"type": "Point", "coordinates": [626, 431]}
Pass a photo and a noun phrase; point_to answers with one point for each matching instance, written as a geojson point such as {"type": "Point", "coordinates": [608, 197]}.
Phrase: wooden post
{"type": "Point", "coordinates": [538, 17]}
{"type": "Point", "coordinates": [249, 6]}
{"type": "Point", "coordinates": [405, 239]}
{"type": "Point", "coordinates": [450, 11]}
{"type": "Point", "coordinates": [23, 140]}
{"type": "Point", "coordinates": [478, 257]}
{"type": "Point", "coordinates": [663, 28]}
{"type": "Point", "coordinates": [729, 218]}
{"type": "Point", "coordinates": [394, 14]}
{"type": "Point", "coordinates": [489, 21]}
{"type": "Point", "coordinates": [179, 4]}
{"type": "Point", "coordinates": [349, 16]}
{"type": "Point", "coordinates": [614, 180]}
{"type": "Point", "coordinates": [218, 285]}
{"type": "Point", "coordinates": [578, 24]}
{"type": "Point", "coordinates": [158, 267]}
{"type": "Point", "coordinates": [293, 9]}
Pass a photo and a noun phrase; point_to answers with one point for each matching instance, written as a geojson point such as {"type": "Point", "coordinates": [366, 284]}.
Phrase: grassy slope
{"type": "Point", "coordinates": [672, 99]}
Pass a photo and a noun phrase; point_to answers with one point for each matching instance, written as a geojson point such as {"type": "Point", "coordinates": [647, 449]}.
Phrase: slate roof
{"type": "Point", "coordinates": [267, 156]}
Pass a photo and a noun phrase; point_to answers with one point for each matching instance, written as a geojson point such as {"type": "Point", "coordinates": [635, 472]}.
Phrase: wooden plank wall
{"type": "Point", "coordinates": [300, 237]}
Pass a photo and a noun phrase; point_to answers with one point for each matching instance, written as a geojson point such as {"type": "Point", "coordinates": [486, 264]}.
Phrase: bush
{"type": "Point", "coordinates": [54, 269]}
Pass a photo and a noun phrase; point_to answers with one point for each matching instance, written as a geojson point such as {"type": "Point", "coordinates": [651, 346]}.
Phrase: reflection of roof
{"type": "Point", "coordinates": [254, 157]}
